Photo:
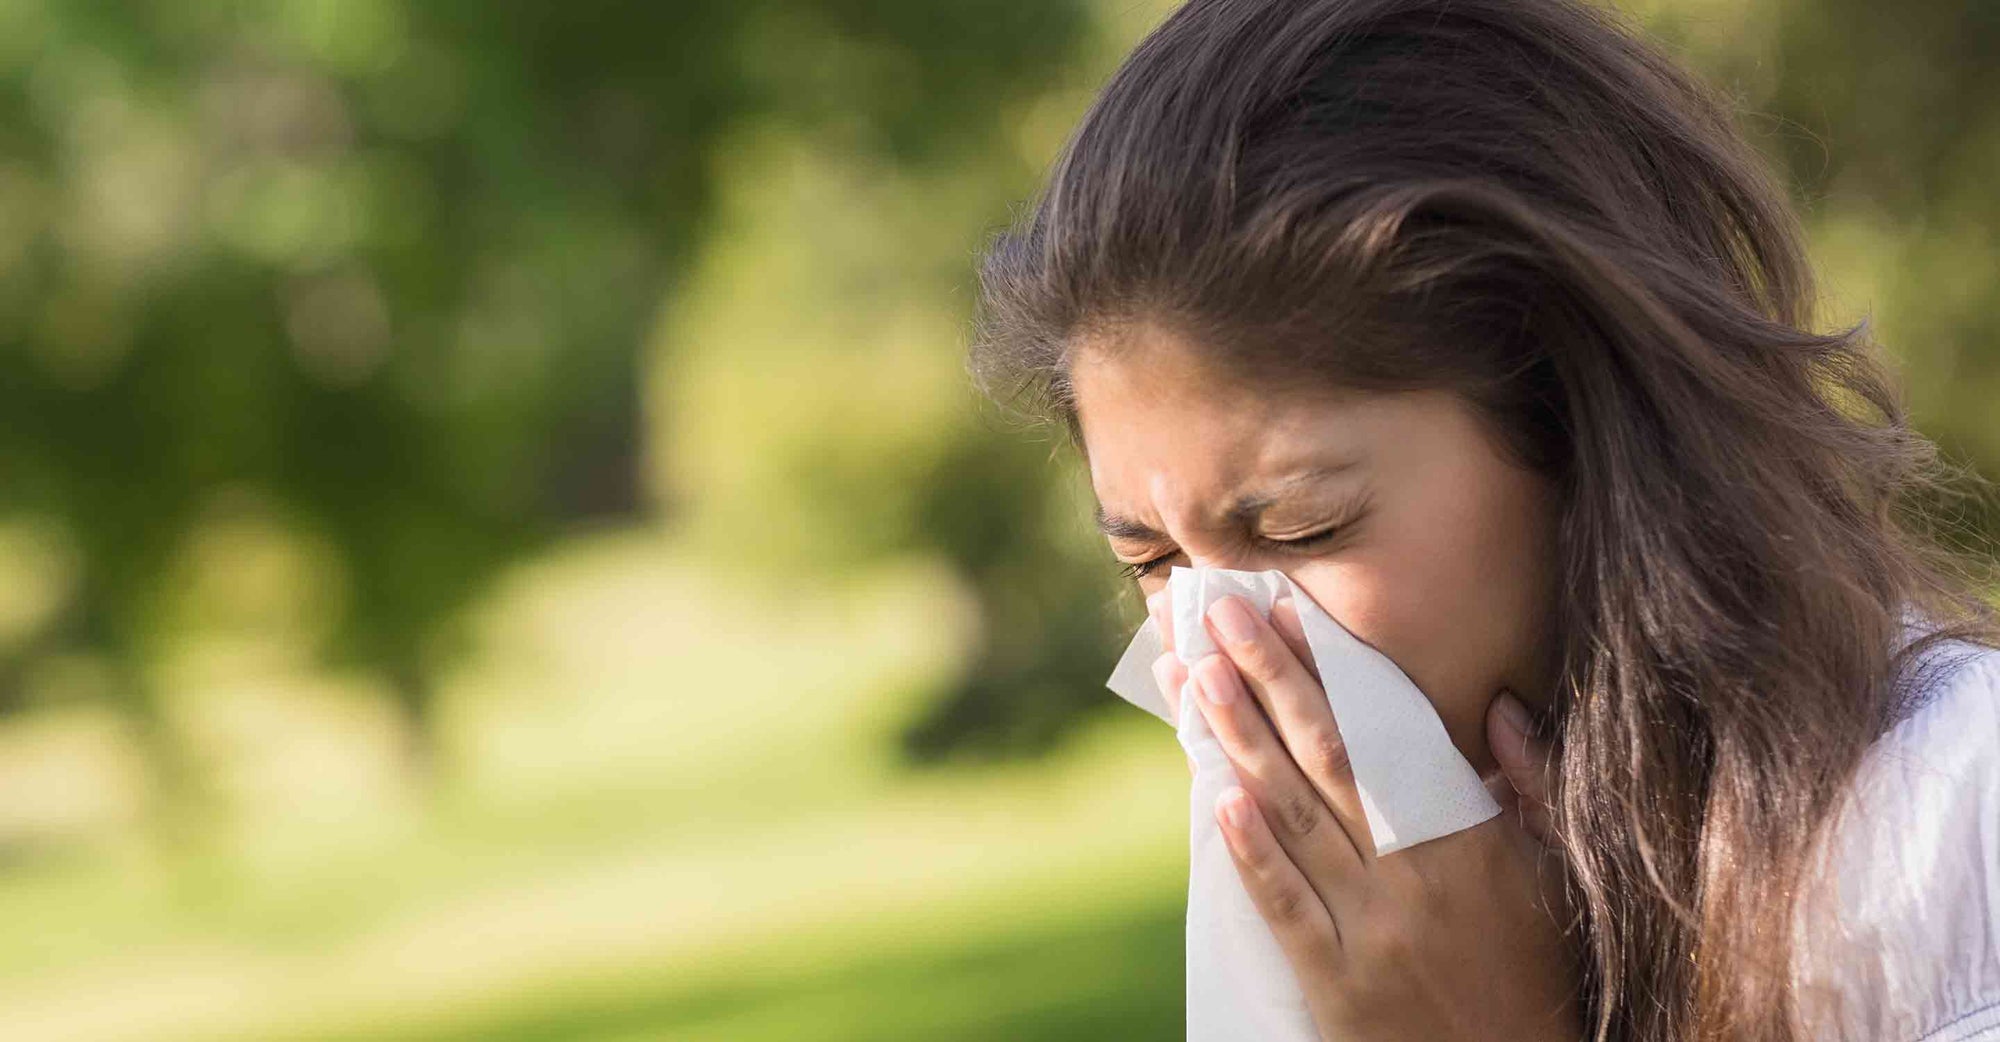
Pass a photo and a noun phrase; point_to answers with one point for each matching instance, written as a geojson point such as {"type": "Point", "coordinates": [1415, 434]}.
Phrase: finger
{"type": "Point", "coordinates": [1525, 762]}
{"type": "Point", "coordinates": [1285, 619]}
{"type": "Point", "coordinates": [1310, 832]}
{"type": "Point", "coordinates": [1502, 791]}
{"type": "Point", "coordinates": [1170, 674]}
{"type": "Point", "coordinates": [1160, 609]}
{"type": "Point", "coordinates": [1297, 706]}
{"type": "Point", "coordinates": [1306, 930]}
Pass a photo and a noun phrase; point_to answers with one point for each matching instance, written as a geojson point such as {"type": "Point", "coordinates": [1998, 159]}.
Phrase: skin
{"type": "Point", "coordinates": [1442, 560]}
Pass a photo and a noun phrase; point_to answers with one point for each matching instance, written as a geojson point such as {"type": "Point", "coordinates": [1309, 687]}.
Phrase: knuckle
{"type": "Point", "coordinates": [1301, 813]}
{"type": "Point", "coordinates": [1325, 754]}
{"type": "Point", "coordinates": [1389, 946]}
{"type": "Point", "coordinates": [1289, 906]}
{"type": "Point", "coordinates": [1398, 947]}
{"type": "Point", "coordinates": [1257, 659]}
{"type": "Point", "coordinates": [1254, 860]}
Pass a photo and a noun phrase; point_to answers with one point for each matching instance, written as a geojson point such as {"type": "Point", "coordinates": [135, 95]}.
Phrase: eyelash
{"type": "Point", "coordinates": [1142, 569]}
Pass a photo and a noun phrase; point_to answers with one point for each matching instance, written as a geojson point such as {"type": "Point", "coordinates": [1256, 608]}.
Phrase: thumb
{"type": "Point", "coordinates": [1524, 761]}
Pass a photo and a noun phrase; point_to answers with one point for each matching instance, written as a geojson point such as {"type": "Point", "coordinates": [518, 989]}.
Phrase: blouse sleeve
{"type": "Point", "coordinates": [1900, 938]}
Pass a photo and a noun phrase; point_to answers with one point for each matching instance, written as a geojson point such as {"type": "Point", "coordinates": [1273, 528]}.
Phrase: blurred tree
{"type": "Point", "coordinates": [1049, 622]}
{"type": "Point", "coordinates": [1885, 122]}
{"type": "Point", "coordinates": [1902, 107]}
{"type": "Point", "coordinates": [385, 266]}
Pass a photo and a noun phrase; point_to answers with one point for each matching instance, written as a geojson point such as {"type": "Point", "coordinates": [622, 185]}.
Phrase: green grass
{"type": "Point", "coordinates": [1086, 979]}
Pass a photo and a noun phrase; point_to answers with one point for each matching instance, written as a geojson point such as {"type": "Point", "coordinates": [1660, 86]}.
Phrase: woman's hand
{"type": "Point", "coordinates": [1460, 937]}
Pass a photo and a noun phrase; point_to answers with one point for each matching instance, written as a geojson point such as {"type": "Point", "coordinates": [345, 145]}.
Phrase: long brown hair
{"type": "Point", "coordinates": [1523, 201]}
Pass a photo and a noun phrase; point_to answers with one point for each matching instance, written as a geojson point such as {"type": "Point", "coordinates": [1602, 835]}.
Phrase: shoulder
{"type": "Point", "coordinates": [1909, 946]}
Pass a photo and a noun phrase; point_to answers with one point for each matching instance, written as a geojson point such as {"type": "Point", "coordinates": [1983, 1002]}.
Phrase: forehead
{"type": "Point", "coordinates": [1158, 424]}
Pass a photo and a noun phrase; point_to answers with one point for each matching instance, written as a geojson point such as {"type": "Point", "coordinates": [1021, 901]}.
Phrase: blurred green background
{"type": "Point", "coordinates": [495, 542]}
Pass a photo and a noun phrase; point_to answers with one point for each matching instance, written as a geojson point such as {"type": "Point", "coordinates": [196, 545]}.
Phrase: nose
{"type": "Point", "coordinates": [1204, 561]}
{"type": "Point", "coordinates": [1239, 559]}
{"type": "Point", "coordinates": [1208, 545]}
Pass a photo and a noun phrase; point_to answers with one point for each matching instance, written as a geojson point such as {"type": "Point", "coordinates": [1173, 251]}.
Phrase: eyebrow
{"type": "Point", "coordinates": [1245, 509]}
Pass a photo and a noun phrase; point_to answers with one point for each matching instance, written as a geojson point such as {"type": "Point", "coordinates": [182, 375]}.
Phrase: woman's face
{"type": "Point", "coordinates": [1440, 548]}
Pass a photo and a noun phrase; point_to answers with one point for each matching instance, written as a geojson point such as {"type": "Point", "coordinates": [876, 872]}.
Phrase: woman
{"type": "Point", "coordinates": [1479, 320]}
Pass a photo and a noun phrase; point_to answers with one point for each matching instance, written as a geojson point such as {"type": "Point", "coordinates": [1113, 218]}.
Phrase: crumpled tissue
{"type": "Point", "coordinates": [1414, 785]}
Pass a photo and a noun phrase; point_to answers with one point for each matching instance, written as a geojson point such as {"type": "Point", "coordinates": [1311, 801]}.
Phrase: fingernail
{"type": "Point", "coordinates": [1217, 685]}
{"type": "Point", "coordinates": [1516, 714]}
{"type": "Point", "coordinates": [1236, 808]}
{"type": "Point", "coordinates": [1233, 619]}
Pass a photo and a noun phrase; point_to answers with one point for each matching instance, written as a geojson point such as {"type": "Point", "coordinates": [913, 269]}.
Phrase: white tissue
{"type": "Point", "coordinates": [1413, 783]}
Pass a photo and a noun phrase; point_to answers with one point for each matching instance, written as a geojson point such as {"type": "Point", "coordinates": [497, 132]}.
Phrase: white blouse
{"type": "Point", "coordinates": [1909, 950]}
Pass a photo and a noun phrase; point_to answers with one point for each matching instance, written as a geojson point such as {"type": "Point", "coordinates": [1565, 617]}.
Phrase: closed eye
{"type": "Point", "coordinates": [1309, 541]}
{"type": "Point", "coordinates": [1141, 569]}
